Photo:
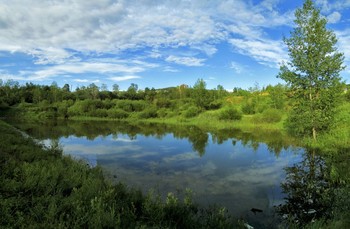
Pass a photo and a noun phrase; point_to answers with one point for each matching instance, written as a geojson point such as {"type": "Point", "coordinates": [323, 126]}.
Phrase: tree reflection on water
{"type": "Point", "coordinates": [198, 137]}
{"type": "Point", "coordinates": [309, 189]}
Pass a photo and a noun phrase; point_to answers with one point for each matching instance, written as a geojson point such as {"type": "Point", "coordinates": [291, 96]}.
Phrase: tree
{"type": "Point", "coordinates": [312, 73]}
{"type": "Point", "coordinates": [131, 93]}
{"type": "Point", "coordinates": [277, 96]}
{"type": "Point", "coordinates": [200, 94]}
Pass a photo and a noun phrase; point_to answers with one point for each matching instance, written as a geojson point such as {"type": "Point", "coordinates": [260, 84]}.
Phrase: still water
{"type": "Point", "coordinates": [230, 168]}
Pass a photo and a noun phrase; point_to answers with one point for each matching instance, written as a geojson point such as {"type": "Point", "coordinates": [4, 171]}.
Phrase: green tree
{"type": "Point", "coordinates": [131, 93]}
{"type": "Point", "coordinates": [277, 96]}
{"type": "Point", "coordinates": [312, 73]}
{"type": "Point", "coordinates": [200, 94]}
{"type": "Point", "coordinates": [115, 90]}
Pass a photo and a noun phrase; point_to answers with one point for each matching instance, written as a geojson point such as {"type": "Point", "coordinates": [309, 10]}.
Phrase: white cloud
{"type": "Point", "coordinates": [236, 67]}
{"type": "Point", "coordinates": [170, 69]}
{"type": "Point", "coordinates": [187, 61]}
{"type": "Point", "coordinates": [266, 52]}
{"type": "Point", "coordinates": [4, 76]}
{"type": "Point", "coordinates": [334, 17]}
{"type": "Point", "coordinates": [124, 78]}
{"type": "Point", "coordinates": [105, 67]}
{"type": "Point", "coordinates": [50, 55]}
{"type": "Point", "coordinates": [85, 67]}
{"type": "Point", "coordinates": [327, 6]}
{"type": "Point", "coordinates": [344, 45]}
{"type": "Point", "coordinates": [86, 81]}
{"type": "Point", "coordinates": [54, 31]}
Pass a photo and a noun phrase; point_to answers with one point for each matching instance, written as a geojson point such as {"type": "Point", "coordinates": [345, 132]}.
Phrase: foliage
{"type": "Point", "coordinates": [230, 113]}
{"type": "Point", "coordinates": [312, 73]}
{"type": "Point", "coordinates": [191, 112]}
{"type": "Point", "coordinates": [150, 112]}
{"type": "Point", "coordinates": [317, 192]}
{"type": "Point", "coordinates": [117, 113]}
{"type": "Point", "coordinates": [269, 116]}
{"type": "Point", "coordinates": [277, 96]}
{"type": "Point", "coordinates": [200, 94]}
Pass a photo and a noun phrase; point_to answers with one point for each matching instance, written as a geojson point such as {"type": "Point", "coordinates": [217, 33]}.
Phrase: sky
{"type": "Point", "coordinates": [154, 43]}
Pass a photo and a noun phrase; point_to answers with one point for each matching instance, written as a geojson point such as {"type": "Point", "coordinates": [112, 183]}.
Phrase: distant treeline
{"type": "Point", "coordinates": [181, 101]}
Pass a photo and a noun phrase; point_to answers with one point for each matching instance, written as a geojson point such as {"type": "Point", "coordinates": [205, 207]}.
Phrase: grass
{"type": "Point", "coordinates": [40, 188]}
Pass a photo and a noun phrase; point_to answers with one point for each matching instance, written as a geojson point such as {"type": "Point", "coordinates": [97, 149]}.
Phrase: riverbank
{"type": "Point", "coordinates": [44, 189]}
{"type": "Point", "coordinates": [260, 125]}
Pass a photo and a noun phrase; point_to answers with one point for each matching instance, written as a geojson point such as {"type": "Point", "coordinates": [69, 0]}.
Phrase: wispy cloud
{"type": "Point", "coordinates": [4, 75]}
{"type": "Point", "coordinates": [238, 68]}
{"type": "Point", "coordinates": [328, 6]}
{"type": "Point", "coordinates": [334, 17]}
{"type": "Point", "coordinates": [123, 78]}
{"type": "Point", "coordinates": [87, 27]}
{"type": "Point", "coordinates": [86, 81]}
{"type": "Point", "coordinates": [266, 52]}
{"type": "Point", "coordinates": [119, 40]}
{"type": "Point", "coordinates": [188, 61]}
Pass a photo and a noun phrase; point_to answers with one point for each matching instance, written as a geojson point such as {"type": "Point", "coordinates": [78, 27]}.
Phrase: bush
{"type": "Point", "coordinates": [217, 104]}
{"type": "Point", "coordinates": [270, 116]}
{"type": "Point", "coordinates": [117, 113]}
{"type": "Point", "coordinates": [191, 112]}
{"type": "Point", "coordinates": [101, 113]}
{"type": "Point", "coordinates": [248, 108]}
{"type": "Point", "coordinates": [162, 113]}
{"type": "Point", "coordinates": [150, 112]}
{"type": "Point", "coordinates": [131, 105]}
{"type": "Point", "coordinates": [230, 114]}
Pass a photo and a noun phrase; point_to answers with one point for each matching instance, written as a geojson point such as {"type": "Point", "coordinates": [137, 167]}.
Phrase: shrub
{"type": "Point", "coordinates": [117, 113]}
{"type": "Point", "coordinates": [191, 112]}
{"type": "Point", "coordinates": [248, 108]}
{"type": "Point", "coordinates": [150, 112]}
{"type": "Point", "coordinates": [270, 116]}
{"type": "Point", "coordinates": [163, 103]}
{"type": "Point", "coordinates": [215, 105]}
{"type": "Point", "coordinates": [131, 105]}
{"type": "Point", "coordinates": [230, 114]}
{"type": "Point", "coordinates": [101, 113]}
{"type": "Point", "coordinates": [162, 113]}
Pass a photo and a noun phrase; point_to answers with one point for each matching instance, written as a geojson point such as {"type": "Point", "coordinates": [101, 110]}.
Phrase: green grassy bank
{"type": "Point", "coordinates": [41, 188]}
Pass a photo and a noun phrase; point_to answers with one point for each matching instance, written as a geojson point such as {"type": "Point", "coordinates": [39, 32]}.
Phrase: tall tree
{"type": "Point", "coordinates": [200, 94]}
{"type": "Point", "coordinates": [312, 73]}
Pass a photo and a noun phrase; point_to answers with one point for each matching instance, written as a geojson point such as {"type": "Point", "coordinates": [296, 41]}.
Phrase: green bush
{"type": "Point", "coordinates": [269, 116]}
{"type": "Point", "coordinates": [249, 108]}
{"type": "Point", "coordinates": [162, 113]}
{"type": "Point", "coordinates": [191, 112]}
{"type": "Point", "coordinates": [217, 104]}
{"type": "Point", "coordinates": [132, 105]}
{"type": "Point", "coordinates": [230, 114]}
{"type": "Point", "coordinates": [100, 113]}
{"type": "Point", "coordinates": [117, 113]}
{"type": "Point", "coordinates": [150, 112]}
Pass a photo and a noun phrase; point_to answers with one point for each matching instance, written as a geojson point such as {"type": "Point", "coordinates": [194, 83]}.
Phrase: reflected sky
{"type": "Point", "coordinates": [230, 174]}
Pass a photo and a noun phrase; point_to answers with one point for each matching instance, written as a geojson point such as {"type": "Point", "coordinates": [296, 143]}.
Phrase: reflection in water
{"type": "Point", "coordinates": [227, 167]}
{"type": "Point", "coordinates": [275, 141]}
{"type": "Point", "coordinates": [309, 190]}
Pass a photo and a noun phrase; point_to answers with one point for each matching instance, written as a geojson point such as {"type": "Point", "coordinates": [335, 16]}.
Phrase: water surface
{"type": "Point", "coordinates": [229, 167]}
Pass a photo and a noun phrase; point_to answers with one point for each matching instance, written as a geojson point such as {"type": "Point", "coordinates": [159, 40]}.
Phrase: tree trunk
{"type": "Point", "coordinates": [314, 134]}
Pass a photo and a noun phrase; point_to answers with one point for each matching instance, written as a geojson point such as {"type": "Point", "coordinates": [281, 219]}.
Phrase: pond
{"type": "Point", "coordinates": [230, 168]}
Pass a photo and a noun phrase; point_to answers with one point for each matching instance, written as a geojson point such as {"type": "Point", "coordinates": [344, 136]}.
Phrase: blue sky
{"type": "Point", "coordinates": [154, 43]}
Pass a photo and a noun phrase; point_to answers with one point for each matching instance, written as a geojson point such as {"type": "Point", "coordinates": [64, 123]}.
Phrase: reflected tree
{"type": "Point", "coordinates": [309, 191]}
{"type": "Point", "coordinates": [199, 141]}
